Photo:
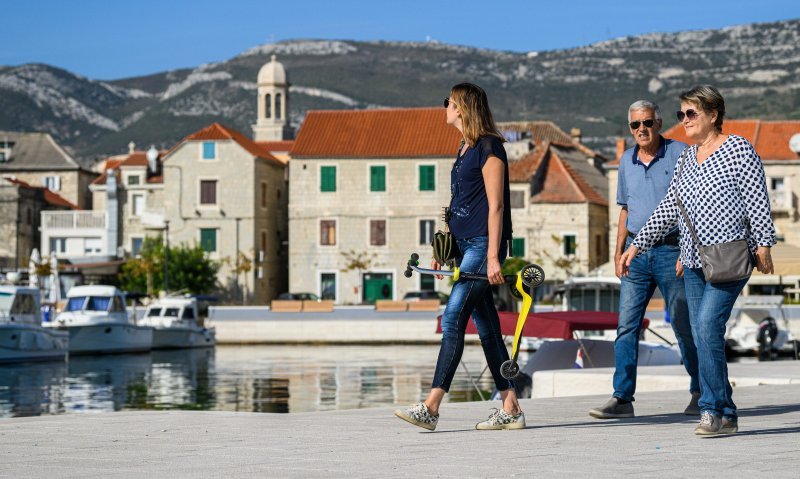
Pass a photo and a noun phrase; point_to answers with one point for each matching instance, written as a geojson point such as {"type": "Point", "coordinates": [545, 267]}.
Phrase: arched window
{"type": "Point", "coordinates": [278, 106]}
{"type": "Point", "coordinates": [268, 106]}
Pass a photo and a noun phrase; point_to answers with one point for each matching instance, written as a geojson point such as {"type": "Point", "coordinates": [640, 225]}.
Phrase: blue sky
{"type": "Point", "coordinates": [120, 38]}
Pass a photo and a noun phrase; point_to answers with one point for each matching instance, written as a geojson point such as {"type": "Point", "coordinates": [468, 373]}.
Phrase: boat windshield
{"type": "Point", "coordinates": [94, 303]}
{"type": "Point", "coordinates": [154, 312]}
{"type": "Point", "coordinates": [5, 301]}
{"type": "Point", "coordinates": [171, 312]}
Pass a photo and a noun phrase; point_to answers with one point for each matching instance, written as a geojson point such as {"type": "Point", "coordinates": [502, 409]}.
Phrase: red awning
{"type": "Point", "coordinates": [556, 324]}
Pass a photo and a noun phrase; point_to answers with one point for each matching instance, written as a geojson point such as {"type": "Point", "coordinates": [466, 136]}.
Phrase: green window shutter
{"type": "Point", "coordinates": [208, 239]}
{"type": "Point", "coordinates": [569, 245]}
{"type": "Point", "coordinates": [327, 179]}
{"type": "Point", "coordinates": [518, 247]}
{"type": "Point", "coordinates": [377, 178]}
{"type": "Point", "coordinates": [427, 178]}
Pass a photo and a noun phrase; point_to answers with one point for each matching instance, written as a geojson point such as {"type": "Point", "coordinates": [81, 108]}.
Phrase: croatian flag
{"type": "Point", "coordinates": [578, 360]}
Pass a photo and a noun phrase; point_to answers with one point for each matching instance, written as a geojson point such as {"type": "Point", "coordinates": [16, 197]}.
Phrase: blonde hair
{"type": "Point", "coordinates": [476, 117]}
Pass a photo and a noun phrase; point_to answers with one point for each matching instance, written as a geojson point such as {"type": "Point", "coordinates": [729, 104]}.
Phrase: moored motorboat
{"type": "Point", "coordinates": [22, 336]}
{"type": "Point", "coordinates": [177, 323]}
{"type": "Point", "coordinates": [98, 322]}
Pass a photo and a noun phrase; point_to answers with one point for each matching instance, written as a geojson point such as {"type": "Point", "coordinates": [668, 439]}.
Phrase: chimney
{"type": "Point", "coordinates": [131, 148]}
{"type": "Point", "coordinates": [575, 133]}
{"type": "Point", "coordinates": [620, 147]}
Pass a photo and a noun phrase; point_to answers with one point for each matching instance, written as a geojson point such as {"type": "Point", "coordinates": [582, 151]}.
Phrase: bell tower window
{"type": "Point", "coordinates": [268, 106]}
{"type": "Point", "coordinates": [278, 106]}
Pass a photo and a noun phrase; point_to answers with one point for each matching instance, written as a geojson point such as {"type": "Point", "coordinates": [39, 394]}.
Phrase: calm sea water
{"type": "Point", "coordinates": [234, 378]}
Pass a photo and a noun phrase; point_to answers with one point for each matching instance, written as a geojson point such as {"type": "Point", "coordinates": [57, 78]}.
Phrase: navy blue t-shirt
{"type": "Point", "coordinates": [469, 207]}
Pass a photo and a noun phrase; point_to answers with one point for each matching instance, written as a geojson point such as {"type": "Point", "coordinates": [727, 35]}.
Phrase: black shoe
{"type": "Point", "coordinates": [613, 409]}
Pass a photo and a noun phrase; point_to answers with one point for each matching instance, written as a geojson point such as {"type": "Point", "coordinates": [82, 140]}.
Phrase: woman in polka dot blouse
{"type": "Point", "coordinates": [721, 184]}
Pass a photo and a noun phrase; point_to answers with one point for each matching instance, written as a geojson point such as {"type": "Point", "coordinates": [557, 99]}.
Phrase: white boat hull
{"type": "Point", "coordinates": [174, 338]}
{"type": "Point", "coordinates": [27, 342]}
{"type": "Point", "coordinates": [109, 338]}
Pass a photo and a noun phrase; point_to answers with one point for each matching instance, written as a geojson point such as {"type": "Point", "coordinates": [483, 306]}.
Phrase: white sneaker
{"type": "Point", "coordinates": [500, 419]}
{"type": "Point", "coordinates": [418, 415]}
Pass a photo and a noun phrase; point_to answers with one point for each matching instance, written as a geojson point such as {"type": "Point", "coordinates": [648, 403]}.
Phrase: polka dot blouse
{"type": "Point", "coordinates": [725, 198]}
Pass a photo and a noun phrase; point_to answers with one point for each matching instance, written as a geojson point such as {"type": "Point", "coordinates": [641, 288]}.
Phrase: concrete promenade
{"type": "Point", "coordinates": [561, 440]}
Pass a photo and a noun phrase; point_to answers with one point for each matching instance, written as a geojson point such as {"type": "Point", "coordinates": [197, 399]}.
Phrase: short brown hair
{"type": "Point", "coordinates": [709, 99]}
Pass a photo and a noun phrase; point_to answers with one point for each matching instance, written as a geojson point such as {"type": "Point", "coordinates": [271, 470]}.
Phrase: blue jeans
{"type": "Point", "coordinates": [710, 306]}
{"type": "Point", "coordinates": [654, 268]}
{"type": "Point", "coordinates": [471, 297]}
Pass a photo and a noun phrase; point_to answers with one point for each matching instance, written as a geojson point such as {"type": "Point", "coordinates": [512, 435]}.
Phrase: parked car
{"type": "Point", "coordinates": [299, 296]}
{"type": "Point", "coordinates": [426, 294]}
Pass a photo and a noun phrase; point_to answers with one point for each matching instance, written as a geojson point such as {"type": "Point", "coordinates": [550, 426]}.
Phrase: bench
{"type": "Point", "coordinates": [424, 305]}
{"type": "Point", "coordinates": [286, 306]}
{"type": "Point", "coordinates": [387, 305]}
{"type": "Point", "coordinates": [323, 306]}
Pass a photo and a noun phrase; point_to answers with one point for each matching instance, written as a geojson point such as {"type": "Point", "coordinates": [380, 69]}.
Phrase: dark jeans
{"type": "Point", "coordinates": [710, 306]}
{"type": "Point", "coordinates": [471, 297]}
{"type": "Point", "coordinates": [654, 268]}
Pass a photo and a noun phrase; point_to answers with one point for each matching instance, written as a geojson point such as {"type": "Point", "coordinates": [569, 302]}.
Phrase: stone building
{"type": "Point", "coordinates": [229, 195]}
{"type": "Point", "coordinates": [21, 207]}
{"type": "Point", "coordinates": [559, 209]}
{"type": "Point", "coordinates": [38, 160]}
{"type": "Point", "coordinates": [367, 186]}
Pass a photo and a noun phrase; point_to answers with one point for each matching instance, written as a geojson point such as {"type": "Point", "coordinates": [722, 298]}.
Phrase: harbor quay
{"type": "Point", "coordinates": [560, 440]}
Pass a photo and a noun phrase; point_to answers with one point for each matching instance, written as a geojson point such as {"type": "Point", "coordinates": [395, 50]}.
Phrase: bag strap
{"type": "Point", "coordinates": [680, 204]}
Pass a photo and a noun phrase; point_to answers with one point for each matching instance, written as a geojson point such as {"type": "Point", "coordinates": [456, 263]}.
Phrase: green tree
{"type": "Point", "coordinates": [190, 269]}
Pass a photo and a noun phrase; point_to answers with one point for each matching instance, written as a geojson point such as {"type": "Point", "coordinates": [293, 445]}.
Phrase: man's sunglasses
{"type": "Point", "coordinates": [448, 101]}
{"type": "Point", "coordinates": [690, 114]}
{"type": "Point", "coordinates": [647, 124]}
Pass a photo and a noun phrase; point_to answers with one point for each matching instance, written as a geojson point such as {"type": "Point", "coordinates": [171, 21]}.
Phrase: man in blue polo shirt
{"type": "Point", "coordinates": [645, 172]}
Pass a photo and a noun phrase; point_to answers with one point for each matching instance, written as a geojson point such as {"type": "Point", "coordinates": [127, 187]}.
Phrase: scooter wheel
{"type": "Point", "coordinates": [513, 288]}
{"type": "Point", "coordinates": [532, 275]}
{"type": "Point", "coordinates": [509, 369]}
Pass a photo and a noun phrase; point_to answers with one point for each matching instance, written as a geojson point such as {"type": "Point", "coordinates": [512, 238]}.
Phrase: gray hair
{"type": "Point", "coordinates": [644, 105]}
{"type": "Point", "coordinates": [709, 99]}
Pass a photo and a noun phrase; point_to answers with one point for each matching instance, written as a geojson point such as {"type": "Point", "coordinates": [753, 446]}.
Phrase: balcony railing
{"type": "Point", "coordinates": [74, 220]}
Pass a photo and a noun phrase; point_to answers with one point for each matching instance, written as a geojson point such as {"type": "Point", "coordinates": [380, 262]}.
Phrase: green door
{"type": "Point", "coordinates": [377, 286]}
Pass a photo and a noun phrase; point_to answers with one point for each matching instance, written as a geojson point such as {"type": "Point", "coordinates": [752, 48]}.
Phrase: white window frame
{"type": "Point", "coordinates": [319, 232]}
{"type": "Point", "coordinates": [134, 175]}
{"type": "Point", "coordinates": [337, 291]}
{"type": "Point", "coordinates": [59, 240]}
{"type": "Point", "coordinates": [135, 237]}
{"type": "Point", "coordinates": [200, 150]}
{"type": "Point", "coordinates": [208, 206]}
{"type": "Point", "coordinates": [133, 197]}
{"type": "Point", "coordinates": [433, 232]}
{"type": "Point", "coordinates": [55, 180]}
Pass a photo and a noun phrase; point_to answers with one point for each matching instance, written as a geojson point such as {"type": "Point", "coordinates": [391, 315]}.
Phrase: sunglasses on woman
{"type": "Point", "coordinates": [690, 114]}
{"type": "Point", "coordinates": [647, 124]}
{"type": "Point", "coordinates": [448, 101]}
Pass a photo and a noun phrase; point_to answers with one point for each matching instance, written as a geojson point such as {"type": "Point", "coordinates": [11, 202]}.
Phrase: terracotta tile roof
{"type": "Point", "coordinates": [770, 138]}
{"type": "Point", "coordinates": [560, 174]}
{"type": "Point", "coordinates": [543, 131]}
{"type": "Point", "coordinates": [381, 133]}
{"type": "Point", "coordinates": [135, 159]}
{"type": "Point", "coordinates": [50, 197]}
{"type": "Point", "coordinates": [218, 131]}
{"type": "Point", "coordinates": [273, 146]}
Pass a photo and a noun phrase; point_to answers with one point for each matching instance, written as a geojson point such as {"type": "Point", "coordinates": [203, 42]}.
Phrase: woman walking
{"type": "Point", "coordinates": [480, 220]}
{"type": "Point", "coordinates": [720, 188]}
